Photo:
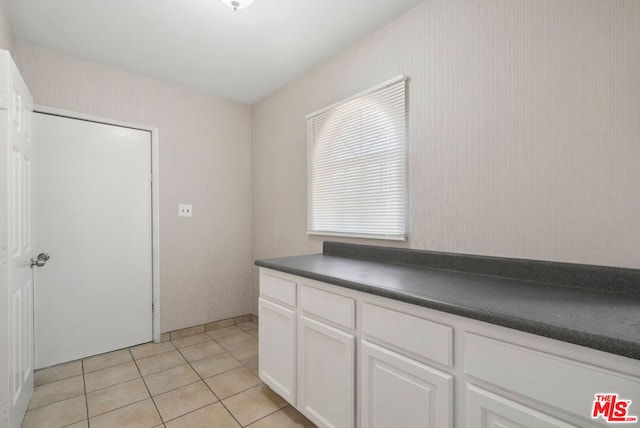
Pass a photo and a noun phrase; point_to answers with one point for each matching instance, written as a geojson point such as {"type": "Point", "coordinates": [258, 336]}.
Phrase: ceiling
{"type": "Point", "coordinates": [203, 44]}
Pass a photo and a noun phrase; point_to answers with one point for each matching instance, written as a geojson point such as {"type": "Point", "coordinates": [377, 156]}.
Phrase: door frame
{"type": "Point", "coordinates": [155, 197]}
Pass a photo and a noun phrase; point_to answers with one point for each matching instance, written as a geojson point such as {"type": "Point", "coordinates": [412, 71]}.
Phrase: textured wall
{"type": "Point", "coordinates": [6, 36]}
{"type": "Point", "coordinates": [523, 126]}
{"type": "Point", "coordinates": [205, 160]}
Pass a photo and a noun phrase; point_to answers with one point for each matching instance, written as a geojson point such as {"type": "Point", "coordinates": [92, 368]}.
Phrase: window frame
{"type": "Point", "coordinates": [396, 235]}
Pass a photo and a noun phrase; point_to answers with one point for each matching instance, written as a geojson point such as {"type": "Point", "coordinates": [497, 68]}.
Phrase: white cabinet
{"type": "Point", "coordinates": [326, 374]}
{"type": "Point", "coordinates": [489, 410]}
{"type": "Point", "coordinates": [564, 383]}
{"type": "Point", "coordinates": [397, 391]}
{"type": "Point", "coordinates": [409, 359]}
{"type": "Point", "coordinates": [277, 348]}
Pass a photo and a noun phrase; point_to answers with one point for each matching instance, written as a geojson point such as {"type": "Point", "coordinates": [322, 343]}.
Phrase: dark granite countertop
{"type": "Point", "coordinates": [590, 317]}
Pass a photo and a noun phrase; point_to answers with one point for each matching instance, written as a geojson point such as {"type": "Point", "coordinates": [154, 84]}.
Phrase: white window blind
{"type": "Point", "coordinates": [357, 166]}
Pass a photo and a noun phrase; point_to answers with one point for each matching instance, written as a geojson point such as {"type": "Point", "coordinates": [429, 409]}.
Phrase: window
{"type": "Point", "coordinates": [357, 165]}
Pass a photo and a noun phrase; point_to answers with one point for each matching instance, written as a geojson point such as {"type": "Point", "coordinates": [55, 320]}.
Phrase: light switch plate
{"type": "Point", "coordinates": [185, 210]}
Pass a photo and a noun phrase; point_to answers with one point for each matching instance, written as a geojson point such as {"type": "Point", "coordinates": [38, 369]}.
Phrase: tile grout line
{"type": "Point", "coordinates": [147, 387]}
{"type": "Point", "coordinates": [58, 400]}
{"type": "Point", "coordinates": [149, 356]}
{"type": "Point", "coordinates": [232, 395]}
{"type": "Point", "coordinates": [114, 384]}
{"type": "Point", "coordinates": [129, 380]}
{"type": "Point", "coordinates": [262, 383]}
{"type": "Point", "coordinates": [120, 383]}
{"type": "Point", "coordinates": [86, 398]}
{"type": "Point", "coordinates": [266, 416]}
{"type": "Point", "coordinates": [207, 385]}
{"type": "Point", "coordinates": [121, 407]}
{"type": "Point", "coordinates": [135, 361]}
{"type": "Point", "coordinates": [187, 362]}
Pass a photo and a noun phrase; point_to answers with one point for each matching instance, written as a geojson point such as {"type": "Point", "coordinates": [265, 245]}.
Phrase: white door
{"type": "Point", "coordinates": [17, 333]}
{"type": "Point", "coordinates": [397, 391]}
{"type": "Point", "coordinates": [326, 374]}
{"type": "Point", "coordinates": [278, 348]}
{"type": "Point", "coordinates": [93, 216]}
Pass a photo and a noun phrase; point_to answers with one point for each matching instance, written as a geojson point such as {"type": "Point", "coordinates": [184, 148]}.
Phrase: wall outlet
{"type": "Point", "coordinates": [185, 210]}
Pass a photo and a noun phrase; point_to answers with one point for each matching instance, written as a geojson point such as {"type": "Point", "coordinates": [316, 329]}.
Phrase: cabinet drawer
{"type": "Point", "coordinates": [278, 289]}
{"type": "Point", "coordinates": [421, 338]}
{"type": "Point", "coordinates": [486, 409]}
{"type": "Point", "coordinates": [328, 306]}
{"type": "Point", "coordinates": [559, 382]}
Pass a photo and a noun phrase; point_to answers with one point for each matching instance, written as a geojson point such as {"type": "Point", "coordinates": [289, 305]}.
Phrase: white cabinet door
{"type": "Point", "coordinates": [277, 348]}
{"type": "Point", "coordinates": [396, 391]}
{"type": "Point", "coordinates": [488, 410]}
{"type": "Point", "coordinates": [326, 374]}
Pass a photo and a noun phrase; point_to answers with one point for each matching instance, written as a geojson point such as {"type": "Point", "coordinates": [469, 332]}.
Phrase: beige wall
{"type": "Point", "coordinates": [524, 130]}
{"type": "Point", "coordinates": [205, 160]}
{"type": "Point", "coordinates": [6, 36]}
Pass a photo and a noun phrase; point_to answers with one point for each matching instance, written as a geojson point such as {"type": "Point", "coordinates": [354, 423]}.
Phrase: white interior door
{"type": "Point", "coordinates": [94, 218]}
{"type": "Point", "coordinates": [17, 155]}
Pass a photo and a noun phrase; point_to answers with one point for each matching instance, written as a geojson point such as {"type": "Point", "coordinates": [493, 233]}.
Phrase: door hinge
{"type": "Point", "coordinates": [153, 308]}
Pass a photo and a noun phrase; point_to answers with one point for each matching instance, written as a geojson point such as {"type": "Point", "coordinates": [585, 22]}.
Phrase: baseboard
{"type": "Point", "coordinates": [202, 328]}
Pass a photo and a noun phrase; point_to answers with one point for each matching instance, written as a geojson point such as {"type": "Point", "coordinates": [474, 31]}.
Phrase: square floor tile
{"type": "Point", "coordinates": [171, 379]}
{"type": "Point", "coordinates": [138, 415]}
{"type": "Point", "coordinates": [201, 350]}
{"type": "Point", "coordinates": [216, 364]}
{"type": "Point", "coordinates": [149, 349]}
{"type": "Point", "coordinates": [111, 376]}
{"type": "Point", "coordinates": [59, 372]}
{"type": "Point", "coordinates": [184, 400]}
{"type": "Point", "coordinates": [254, 404]}
{"type": "Point", "coordinates": [57, 391]}
{"type": "Point", "coordinates": [103, 361]}
{"type": "Point", "coordinates": [213, 416]}
{"type": "Point", "coordinates": [58, 414]}
{"type": "Point", "coordinates": [284, 418]}
{"type": "Point", "coordinates": [222, 332]}
{"type": "Point", "coordinates": [232, 382]}
{"type": "Point", "coordinates": [234, 341]}
{"type": "Point", "coordinates": [116, 396]}
{"type": "Point", "coordinates": [160, 362]}
{"type": "Point", "coordinates": [246, 352]}
{"type": "Point", "coordinates": [191, 340]}
{"type": "Point", "coordinates": [253, 366]}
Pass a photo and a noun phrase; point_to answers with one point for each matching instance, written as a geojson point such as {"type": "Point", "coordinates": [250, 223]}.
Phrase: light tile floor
{"type": "Point", "coordinates": [205, 380]}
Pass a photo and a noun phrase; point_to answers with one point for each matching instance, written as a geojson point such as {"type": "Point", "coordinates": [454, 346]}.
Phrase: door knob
{"type": "Point", "coordinates": [40, 261]}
